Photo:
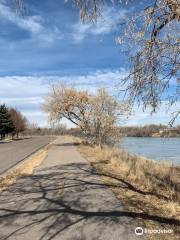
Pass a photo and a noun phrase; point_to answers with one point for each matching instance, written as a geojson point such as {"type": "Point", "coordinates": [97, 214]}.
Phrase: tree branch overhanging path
{"type": "Point", "coordinates": [151, 37]}
{"type": "Point", "coordinates": [154, 33]}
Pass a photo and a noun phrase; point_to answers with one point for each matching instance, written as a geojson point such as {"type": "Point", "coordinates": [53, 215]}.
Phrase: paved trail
{"type": "Point", "coordinates": [12, 152]}
{"type": "Point", "coordinates": [64, 200]}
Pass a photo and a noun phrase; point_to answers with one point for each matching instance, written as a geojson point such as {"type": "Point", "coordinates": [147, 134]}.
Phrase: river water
{"type": "Point", "coordinates": [161, 149]}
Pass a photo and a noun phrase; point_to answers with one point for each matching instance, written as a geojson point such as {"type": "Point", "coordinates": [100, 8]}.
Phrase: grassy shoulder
{"type": "Point", "coordinates": [146, 188]}
{"type": "Point", "coordinates": [25, 168]}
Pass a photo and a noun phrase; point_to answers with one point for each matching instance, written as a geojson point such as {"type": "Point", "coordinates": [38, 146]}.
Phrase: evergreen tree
{"type": "Point", "coordinates": [6, 123]}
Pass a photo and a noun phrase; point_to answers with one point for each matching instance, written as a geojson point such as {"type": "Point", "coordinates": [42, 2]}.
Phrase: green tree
{"type": "Point", "coordinates": [6, 123]}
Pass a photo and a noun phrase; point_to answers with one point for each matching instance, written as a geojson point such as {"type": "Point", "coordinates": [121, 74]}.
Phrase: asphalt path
{"type": "Point", "coordinates": [65, 199]}
{"type": "Point", "coordinates": [13, 152]}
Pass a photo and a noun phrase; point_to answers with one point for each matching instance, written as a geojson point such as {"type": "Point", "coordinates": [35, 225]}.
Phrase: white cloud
{"type": "Point", "coordinates": [27, 94]}
{"type": "Point", "coordinates": [37, 117]}
{"type": "Point", "coordinates": [107, 23]}
{"type": "Point", "coordinates": [21, 87]}
{"type": "Point", "coordinates": [162, 116]}
{"type": "Point", "coordinates": [33, 24]}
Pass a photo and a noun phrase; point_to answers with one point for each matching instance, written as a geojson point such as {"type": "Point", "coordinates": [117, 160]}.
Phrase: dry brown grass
{"type": "Point", "coordinates": [23, 169]}
{"type": "Point", "coordinates": [143, 185]}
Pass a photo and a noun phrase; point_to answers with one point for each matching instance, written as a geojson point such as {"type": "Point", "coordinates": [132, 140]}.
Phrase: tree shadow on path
{"type": "Point", "coordinates": [68, 199]}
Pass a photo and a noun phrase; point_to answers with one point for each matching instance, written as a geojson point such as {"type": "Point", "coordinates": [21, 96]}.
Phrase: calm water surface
{"type": "Point", "coordinates": [160, 149]}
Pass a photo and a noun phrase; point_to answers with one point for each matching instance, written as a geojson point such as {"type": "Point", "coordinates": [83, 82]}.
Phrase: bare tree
{"type": "Point", "coordinates": [152, 39]}
{"type": "Point", "coordinates": [156, 61]}
{"type": "Point", "coordinates": [90, 9]}
{"type": "Point", "coordinates": [19, 121]}
{"type": "Point", "coordinates": [96, 115]}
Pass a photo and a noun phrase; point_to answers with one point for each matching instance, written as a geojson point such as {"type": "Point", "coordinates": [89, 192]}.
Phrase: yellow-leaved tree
{"type": "Point", "coordinates": [97, 115]}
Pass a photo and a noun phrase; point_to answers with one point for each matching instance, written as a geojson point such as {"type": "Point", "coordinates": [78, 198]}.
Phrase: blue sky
{"type": "Point", "coordinates": [48, 42]}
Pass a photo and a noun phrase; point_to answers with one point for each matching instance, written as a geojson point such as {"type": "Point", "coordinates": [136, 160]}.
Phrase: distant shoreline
{"type": "Point", "coordinates": [151, 130]}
